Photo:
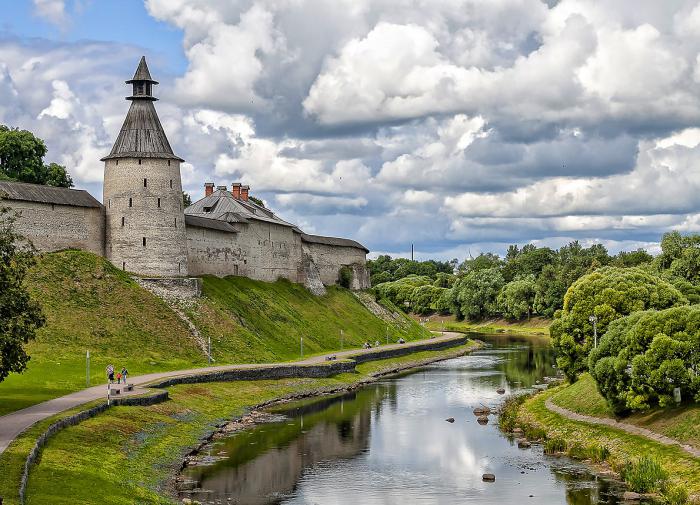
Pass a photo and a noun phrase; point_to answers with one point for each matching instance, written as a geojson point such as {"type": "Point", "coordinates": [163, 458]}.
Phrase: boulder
{"type": "Point", "coordinates": [482, 420]}
{"type": "Point", "coordinates": [482, 411]}
{"type": "Point", "coordinates": [186, 501]}
{"type": "Point", "coordinates": [523, 444]}
{"type": "Point", "coordinates": [488, 477]}
{"type": "Point", "coordinates": [500, 391]}
{"type": "Point", "coordinates": [631, 496]}
{"type": "Point", "coordinates": [450, 419]}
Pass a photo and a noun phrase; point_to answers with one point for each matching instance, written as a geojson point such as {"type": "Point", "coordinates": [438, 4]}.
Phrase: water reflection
{"type": "Point", "coordinates": [389, 443]}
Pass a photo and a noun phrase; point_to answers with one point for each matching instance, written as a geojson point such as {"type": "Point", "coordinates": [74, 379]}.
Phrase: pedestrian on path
{"type": "Point", "coordinates": [125, 372]}
{"type": "Point", "coordinates": [119, 378]}
{"type": "Point", "coordinates": [110, 373]}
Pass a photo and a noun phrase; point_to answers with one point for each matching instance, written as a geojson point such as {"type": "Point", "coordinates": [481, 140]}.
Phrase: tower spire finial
{"type": "Point", "coordinates": [142, 82]}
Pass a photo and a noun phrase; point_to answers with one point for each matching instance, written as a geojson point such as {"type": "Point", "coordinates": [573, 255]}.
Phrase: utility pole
{"type": "Point", "coordinates": [342, 340]}
{"type": "Point", "coordinates": [411, 252]}
{"type": "Point", "coordinates": [301, 341]}
{"type": "Point", "coordinates": [594, 320]}
{"type": "Point", "coordinates": [87, 368]}
{"type": "Point", "coordinates": [209, 349]}
{"type": "Point", "coordinates": [387, 334]}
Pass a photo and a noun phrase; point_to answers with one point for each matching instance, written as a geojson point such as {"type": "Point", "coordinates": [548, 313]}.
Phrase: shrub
{"type": "Point", "coordinates": [508, 413]}
{"type": "Point", "coordinates": [554, 445]}
{"type": "Point", "coordinates": [345, 276]}
{"type": "Point", "coordinates": [644, 475]}
{"type": "Point", "coordinates": [644, 356]}
{"type": "Point", "coordinates": [609, 293]}
{"type": "Point", "coordinates": [675, 495]}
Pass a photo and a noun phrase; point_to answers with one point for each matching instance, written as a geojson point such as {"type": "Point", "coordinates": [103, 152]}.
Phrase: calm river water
{"type": "Point", "coordinates": [389, 444]}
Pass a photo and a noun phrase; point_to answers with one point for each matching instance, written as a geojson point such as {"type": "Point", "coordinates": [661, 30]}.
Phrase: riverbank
{"type": "Point", "coordinates": [607, 449]}
{"type": "Point", "coordinates": [133, 453]}
{"type": "Point", "coordinates": [536, 326]}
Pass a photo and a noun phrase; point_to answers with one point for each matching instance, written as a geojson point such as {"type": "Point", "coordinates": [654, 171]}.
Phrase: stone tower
{"type": "Point", "coordinates": [145, 223]}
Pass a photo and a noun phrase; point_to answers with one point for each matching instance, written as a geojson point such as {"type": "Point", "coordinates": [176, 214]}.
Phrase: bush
{"type": "Point", "coordinates": [644, 356]}
{"type": "Point", "coordinates": [554, 445]}
{"type": "Point", "coordinates": [609, 293]}
{"type": "Point", "coordinates": [345, 276]}
{"type": "Point", "coordinates": [644, 475]}
{"type": "Point", "coordinates": [675, 495]}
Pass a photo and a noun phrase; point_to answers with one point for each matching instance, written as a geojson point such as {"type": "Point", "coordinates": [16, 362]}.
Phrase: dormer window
{"type": "Point", "coordinates": [208, 209]}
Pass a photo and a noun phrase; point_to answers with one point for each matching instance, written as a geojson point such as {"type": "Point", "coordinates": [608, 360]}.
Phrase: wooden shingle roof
{"type": "Point", "coordinates": [46, 194]}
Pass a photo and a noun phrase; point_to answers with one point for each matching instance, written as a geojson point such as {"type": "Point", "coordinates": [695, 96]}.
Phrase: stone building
{"type": "Point", "coordinates": [142, 227]}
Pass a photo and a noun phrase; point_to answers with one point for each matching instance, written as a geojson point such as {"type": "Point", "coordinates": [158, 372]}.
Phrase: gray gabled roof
{"type": "Point", "coordinates": [344, 242]}
{"type": "Point", "coordinates": [223, 206]}
{"type": "Point", "coordinates": [142, 135]}
{"type": "Point", "coordinates": [46, 194]}
{"type": "Point", "coordinates": [213, 224]}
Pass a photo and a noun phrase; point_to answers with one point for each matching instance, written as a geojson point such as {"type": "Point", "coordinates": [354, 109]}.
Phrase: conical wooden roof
{"type": "Point", "coordinates": [142, 73]}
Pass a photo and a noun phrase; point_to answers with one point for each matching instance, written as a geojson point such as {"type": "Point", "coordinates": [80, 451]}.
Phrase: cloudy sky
{"type": "Point", "coordinates": [457, 125]}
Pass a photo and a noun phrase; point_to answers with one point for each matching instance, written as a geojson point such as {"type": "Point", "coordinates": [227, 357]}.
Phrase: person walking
{"type": "Point", "coordinates": [124, 372]}
{"type": "Point", "coordinates": [110, 373]}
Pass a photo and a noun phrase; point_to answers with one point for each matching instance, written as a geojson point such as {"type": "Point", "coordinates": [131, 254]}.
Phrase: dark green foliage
{"type": "Point", "coordinates": [22, 159]}
{"type": "Point", "coordinates": [644, 356]}
{"type": "Point", "coordinates": [345, 277]}
{"type": "Point", "coordinates": [186, 199]}
{"type": "Point", "coordinates": [632, 258]}
{"type": "Point", "coordinates": [609, 293]}
{"type": "Point", "coordinates": [483, 261]}
{"type": "Point", "coordinates": [517, 298]}
{"type": "Point", "coordinates": [386, 269]}
{"type": "Point", "coordinates": [415, 293]}
{"type": "Point", "coordinates": [644, 475]}
{"type": "Point", "coordinates": [475, 295]}
{"type": "Point", "coordinates": [20, 316]}
{"type": "Point", "coordinates": [508, 412]}
{"type": "Point", "coordinates": [257, 201]}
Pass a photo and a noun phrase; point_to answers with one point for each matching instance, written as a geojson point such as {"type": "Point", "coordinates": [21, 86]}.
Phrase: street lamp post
{"type": "Point", "coordinates": [87, 368]}
{"type": "Point", "coordinates": [342, 340]}
{"type": "Point", "coordinates": [301, 342]}
{"type": "Point", "coordinates": [209, 349]}
{"type": "Point", "coordinates": [387, 334]}
{"type": "Point", "coordinates": [594, 321]}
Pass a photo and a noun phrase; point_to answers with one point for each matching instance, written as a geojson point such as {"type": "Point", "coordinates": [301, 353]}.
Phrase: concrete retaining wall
{"type": "Point", "coordinates": [402, 351]}
{"type": "Point", "coordinates": [158, 397]}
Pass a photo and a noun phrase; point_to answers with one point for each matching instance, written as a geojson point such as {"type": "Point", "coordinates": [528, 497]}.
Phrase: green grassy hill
{"type": "Point", "coordinates": [91, 305]}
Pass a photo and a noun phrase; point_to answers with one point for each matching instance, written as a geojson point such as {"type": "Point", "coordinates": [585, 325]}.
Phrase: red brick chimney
{"type": "Point", "coordinates": [244, 193]}
{"type": "Point", "coordinates": [208, 188]}
{"type": "Point", "coordinates": [236, 190]}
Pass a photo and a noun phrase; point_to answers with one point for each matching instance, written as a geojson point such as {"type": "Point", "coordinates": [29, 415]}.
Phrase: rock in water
{"type": "Point", "coordinates": [500, 391]}
{"type": "Point", "coordinates": [482, 411]}
{"type": "Point", "coordinates": [488, 477]}
{"type": "Point", "coordinates": [482, 420]}
{"type": "Point", "coordinates": [631, 496]}
{"type": "Point", "coordinates": [450, 419]}
{"type": "Point", "coordinates": [523, 444]}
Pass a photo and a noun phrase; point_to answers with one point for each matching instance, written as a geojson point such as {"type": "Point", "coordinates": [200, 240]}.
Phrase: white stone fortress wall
{"type": "Point", "coordinates": [329, 259]}
{"type": "Point", "coordinates": [52, 227]}
{"type": "Point", "coordinates": [145, 223]}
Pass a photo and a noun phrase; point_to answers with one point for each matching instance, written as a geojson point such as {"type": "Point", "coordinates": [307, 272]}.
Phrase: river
{"type": "Point", "coordinates": [389, 443]}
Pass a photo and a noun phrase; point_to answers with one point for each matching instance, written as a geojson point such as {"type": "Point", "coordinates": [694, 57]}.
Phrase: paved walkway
{"type": "Point", "coordinates": [11, 425]}
{"type": "Point", "coordinates": [629, 428]}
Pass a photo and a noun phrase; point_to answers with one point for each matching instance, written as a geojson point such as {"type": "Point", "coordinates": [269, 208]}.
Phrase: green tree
{"type": "Point", "coordinates": [608, 293]}
{"type": "Point", "coordinates": [22, 159]}
{"type": "Point", "coordinates": [482, 262]}
{"type": "Point", "coordinates": [517, 298]}
{"type": "Point", "coordinates": [20, 316]}
{"type": "Point", "coordinates": [549, 291]}
{"type": "Point", "coordinates": [632, 258]}
{"type": "Point", "coordinates": [475, 295]}
{"type": "Point", "coordinates": [186, 199]}
{"type": "Point", "coordinates": [644, 356]}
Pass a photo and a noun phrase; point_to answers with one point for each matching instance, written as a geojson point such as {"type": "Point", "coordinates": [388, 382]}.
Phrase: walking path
{"type": "Point", "coordinates": [629, 428]}
{"type": "Point", "coordinates": [11, 425]}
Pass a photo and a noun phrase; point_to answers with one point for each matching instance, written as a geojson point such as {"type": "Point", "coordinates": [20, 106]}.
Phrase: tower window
{"type": "Point", "coordinates": [178, 268]}
{"type": "Point", "coordinates": [145, 183]}
{"type": "Point", "coordinates": [117, 162]}
{"type": "Point", "coordinates": [139, 161]}
{"type": "Point", "coordinates": [171, 181]}
{"type": "Point", "coordinates": [122, 220]}
{"type": "Point", "coordinates": [131, 204]}
{"type": "Point", "coordinates": [123, 265]}
{"type": "Point", "coordinates": [109, 203]}
{"type": "Point", "coordinates": [175, 222]}
{"type": "Point", "coordinates": [144, 241]}
{"type": "Point", "coordinates": [159, 203]}
{"type": "Point", "coordinates": [169, 165]}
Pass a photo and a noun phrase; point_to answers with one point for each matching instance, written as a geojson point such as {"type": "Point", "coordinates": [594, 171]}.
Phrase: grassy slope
{"type": "Point", "coordinates": [89, 304]}
{"type": "Point", "coordinates": [681, 423]}
{"type": "Point", "coordinates": [252, 321]}
{"type": "Point", "coordinates": [151, 441]}
{"type": "Point", "coordinates": [535, 326]}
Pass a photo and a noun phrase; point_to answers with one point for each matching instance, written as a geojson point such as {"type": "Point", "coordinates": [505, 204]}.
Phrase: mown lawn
{"type": "Point", "coordinates": [683, 469]}
{"type": "Point", "coordinates": [128, 454]}
{"type": "Point", "coordinates": [91, 305]}
{"type": "Point", "coordinates": [681, 423]}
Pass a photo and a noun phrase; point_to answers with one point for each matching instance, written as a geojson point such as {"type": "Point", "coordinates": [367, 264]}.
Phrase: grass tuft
{"type": "Point", "coordinates": [644, 475]}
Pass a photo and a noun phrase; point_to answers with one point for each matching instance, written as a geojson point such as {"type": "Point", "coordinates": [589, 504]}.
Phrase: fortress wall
{"type": "Point", "coordinates": [52, 227]}
{"type": "Point", "coordinates": [330, 258]}
{"type": "Point", "coordinates": [262, 251]}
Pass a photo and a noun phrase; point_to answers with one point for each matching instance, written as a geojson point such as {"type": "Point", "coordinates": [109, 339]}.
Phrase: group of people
{"type": "Point", "coordinates": [121, 376]}
{"type": "Point", "coordinates": [367, 345]}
